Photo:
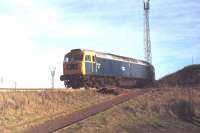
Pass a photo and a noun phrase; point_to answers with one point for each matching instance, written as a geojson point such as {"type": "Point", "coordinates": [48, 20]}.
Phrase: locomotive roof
{"type": "Point", "coordinates": [113, 56]}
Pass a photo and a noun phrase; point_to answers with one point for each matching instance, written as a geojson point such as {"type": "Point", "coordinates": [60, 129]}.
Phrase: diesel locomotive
{"type": "Point", "coordinates": [87, 68]}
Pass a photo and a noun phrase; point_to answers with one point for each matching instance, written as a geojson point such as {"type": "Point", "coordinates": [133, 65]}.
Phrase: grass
{"type": "Point", "coordinates": [174, 107]}
{"type": "Point", "coordinates": [21, 109]}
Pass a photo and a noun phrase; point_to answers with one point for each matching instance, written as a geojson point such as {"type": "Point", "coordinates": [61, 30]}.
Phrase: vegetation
{"type": "Point", "coordinates": [20, 109]}
{"type": "Point", "coordinates": [187, 77]}
{"type": "Point", "coordinates": [174, 104]}
{"type": "Point", "coordinates": [174, 107]}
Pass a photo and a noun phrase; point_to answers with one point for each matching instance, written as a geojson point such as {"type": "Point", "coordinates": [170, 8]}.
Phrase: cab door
{"type": "Point", "coordinates": [90, 64]}
{"type": "Point", "coordinates": [94, 70]}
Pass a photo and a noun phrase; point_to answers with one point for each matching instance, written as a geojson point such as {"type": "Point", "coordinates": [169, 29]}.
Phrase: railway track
{"type": "Point", "coordinates": [64, 121]}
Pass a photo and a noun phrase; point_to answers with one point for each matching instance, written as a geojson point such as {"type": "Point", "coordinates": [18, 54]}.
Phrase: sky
{"type": "Point", "coordinates": [36, 34]}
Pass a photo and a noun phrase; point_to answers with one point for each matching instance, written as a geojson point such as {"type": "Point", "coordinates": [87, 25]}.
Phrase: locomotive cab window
{"type": "Point", "coordinates": [66, 59]}
{"type": "Point", "coordinates": [77, 57]}
{"type": "Point", "coordinates": [87, 58]}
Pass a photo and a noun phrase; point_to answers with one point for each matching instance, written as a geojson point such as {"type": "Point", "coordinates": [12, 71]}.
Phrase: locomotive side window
{"type": "Point", "coordinates": [93, 59]}
{"type": "Point", "coordinates": [87, 58]}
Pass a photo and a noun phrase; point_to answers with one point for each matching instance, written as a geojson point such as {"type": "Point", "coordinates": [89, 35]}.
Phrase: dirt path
{"type": "Point", "coordinates": [61, 122]}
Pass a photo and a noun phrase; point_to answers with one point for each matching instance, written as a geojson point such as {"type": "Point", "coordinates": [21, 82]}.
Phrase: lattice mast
{"type": "Point", "coordinates": [147, 41]}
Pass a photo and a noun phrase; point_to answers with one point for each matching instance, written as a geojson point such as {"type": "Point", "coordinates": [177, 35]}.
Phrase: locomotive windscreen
{"type": "Point", "coordinates": [76, 57]}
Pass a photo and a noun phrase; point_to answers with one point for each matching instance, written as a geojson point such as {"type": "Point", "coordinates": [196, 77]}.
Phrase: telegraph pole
{"type": "Point", "coordinates": [52, 76]}
{"type": "Point", "coordinates": [15, 84]}
{"type": "Point", "coordinates": [147, 41]}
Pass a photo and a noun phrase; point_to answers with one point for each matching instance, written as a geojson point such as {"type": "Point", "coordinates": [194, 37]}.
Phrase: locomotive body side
{"type": "Point", "coordinates": [99, 69]}
{"type": "Point", "coordinates": [123, 69]}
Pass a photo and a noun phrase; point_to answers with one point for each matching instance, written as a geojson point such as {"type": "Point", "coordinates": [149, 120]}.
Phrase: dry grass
{"type": "Point", "coordinates": [188, 76]}
{"type": "Point", "coordinates": [162, 108]}
{"type": "Point", "coordinates": [20, 109]}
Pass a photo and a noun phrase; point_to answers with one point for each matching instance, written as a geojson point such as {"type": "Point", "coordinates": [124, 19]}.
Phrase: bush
{"type": "Point", "coordinates": [182, 109]}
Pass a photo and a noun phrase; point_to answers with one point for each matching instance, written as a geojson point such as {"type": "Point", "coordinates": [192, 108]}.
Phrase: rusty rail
{"type": "Point", "coordinates": [62, 122]}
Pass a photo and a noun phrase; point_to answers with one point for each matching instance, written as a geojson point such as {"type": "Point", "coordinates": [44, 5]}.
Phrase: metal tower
{"type": "Point", "coordinates": [147, 41]}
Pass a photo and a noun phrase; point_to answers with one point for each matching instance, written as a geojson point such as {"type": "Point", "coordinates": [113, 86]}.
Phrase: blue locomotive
{"type": "Point", "coordinates": [87, 68]}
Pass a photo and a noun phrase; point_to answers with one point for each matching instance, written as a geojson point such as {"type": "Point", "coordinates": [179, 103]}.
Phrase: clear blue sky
{"type": "Point", "coordinates": [35, 34]}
